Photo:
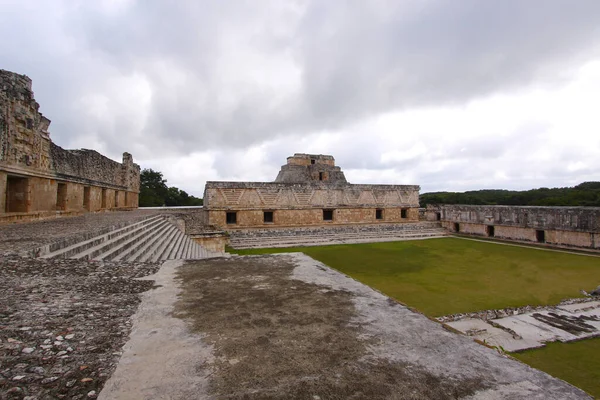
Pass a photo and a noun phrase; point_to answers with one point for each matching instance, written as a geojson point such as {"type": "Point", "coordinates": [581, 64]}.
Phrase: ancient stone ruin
{"type": "Point", "coordinates": [559, 226]}
{"type": "Point", "coordinates": [308, 191]}
{"type": "Point", "coordinates": [39, 179]}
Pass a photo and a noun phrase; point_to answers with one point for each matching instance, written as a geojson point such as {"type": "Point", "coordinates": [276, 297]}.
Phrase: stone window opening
{"type": "Point", "coordinates": [268, 217]}
{"type": "Point", "coordinates": [231, 218]}
{"type": "Point", "coordinates": [61, 196]}
{"type": "Point", "coordinates": [16, 194]}
{"type": "Point", "coordinates": [404, 213]}
{"type": "Point", "coordinates": [540, 236]}
{"type": "Point", "coordinates": [103, 197]}
{"type": "Point", "coordinates": [86, 198]}
{"type": "Point", "coordinates": [456, 227]}
{"type": "Point", "coordinates": [327, 215]}
{"type": "Point", "coordinates": [490, 231]}
{"type": "Point", "coordinates": [379, 213]}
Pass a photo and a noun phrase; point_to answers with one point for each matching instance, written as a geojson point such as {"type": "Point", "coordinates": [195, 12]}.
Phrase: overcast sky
{"type": "Point", "coordinates": [450, 95]}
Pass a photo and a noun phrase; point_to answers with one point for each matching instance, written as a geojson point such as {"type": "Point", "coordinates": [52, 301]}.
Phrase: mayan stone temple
{"type": "Point", "coordinates": [39, 179]}
{"type": "Point", "coordinates": [309, 190]}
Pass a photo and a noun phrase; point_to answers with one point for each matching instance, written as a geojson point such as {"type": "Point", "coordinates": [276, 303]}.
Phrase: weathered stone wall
{"type": "Point", "coordinates": [38, 176]}
{"type": "Point", "coordinates": [303, 204]}
{"type": "Point", "coordinates": [586, 219]}
{"type": "Point", "coordinates": [563, 226]}
{"type": "Point", "coordinates": [308, 217]}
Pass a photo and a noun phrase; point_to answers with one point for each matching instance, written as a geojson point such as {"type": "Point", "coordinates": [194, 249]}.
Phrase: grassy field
{"type": "Point", "coordinates": [451, 275]}
{"type": "Point", "coordinates": [577, 363]}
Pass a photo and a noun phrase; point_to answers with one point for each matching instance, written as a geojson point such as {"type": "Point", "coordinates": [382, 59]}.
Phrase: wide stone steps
{"type": "Point", "coordinates": [335, 235]}
{"type": "Point", "coordinates": [151, 240]}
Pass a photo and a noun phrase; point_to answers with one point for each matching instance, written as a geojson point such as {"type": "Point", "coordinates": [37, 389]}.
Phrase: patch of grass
{"type": "Point", "coordinates": [577, 362]}
{"type": "Point", "coordinates": [452, 275]}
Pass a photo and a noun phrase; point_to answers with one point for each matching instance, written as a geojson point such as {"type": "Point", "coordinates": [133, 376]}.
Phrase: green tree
{"type": "Point", "coordinates": [154, 192]}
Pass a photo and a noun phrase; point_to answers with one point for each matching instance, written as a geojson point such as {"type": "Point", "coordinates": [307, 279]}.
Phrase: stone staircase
{"type": "Point", "coordinates": [150, 240]}
{"type": "Point", "coordinates": [344, 234]}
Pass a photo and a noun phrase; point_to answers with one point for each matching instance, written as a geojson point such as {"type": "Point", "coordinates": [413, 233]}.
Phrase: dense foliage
{"type": "Point", "coordinates": [154, 192]}
{"type": "Point", "coordinates": [584, 194]}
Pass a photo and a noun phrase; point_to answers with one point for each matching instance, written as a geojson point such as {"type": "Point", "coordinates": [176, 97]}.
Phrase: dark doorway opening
{"type": "Point", "coordinates": [438, 216]}
{"type": "Point", "coordinates": [379, 213]}
{"type": "Point", "coordinates": [268, 217]}
{"type": "Point", "coordinates": [312, 161]}
{"type": "Point", "coordinates": [16, 194]}
{"type": "Point", "coordinates": [116, 198]}
{"type": "Point", "coordinates": [490, 230]}
{"type": "Point", "coordinates": [327, 215]}
{"type": "Point", "coordinates": [540, 236]}
{"type": "Point", "coordinates": [61, 196]}
{"type": "Point", "coordinates": [404, 213]}
{"type": "Point", "coordinates": [103, 198]}
{"type": "Point", "coordinates": [86, 198]}
{"type": "Point", "coordinates": [320, 176]}
{"type": "Point", "coordinates": [456, 227]}
{"type": "Point", "coordinates": [231, 218]}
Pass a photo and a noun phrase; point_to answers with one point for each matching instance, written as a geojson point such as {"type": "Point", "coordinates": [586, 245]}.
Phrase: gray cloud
{"type": "Point", "coordinates": [343, 62]}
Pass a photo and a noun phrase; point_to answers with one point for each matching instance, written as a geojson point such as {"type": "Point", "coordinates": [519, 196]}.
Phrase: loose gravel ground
{"type": "Point", "coordinates": [63, 322]}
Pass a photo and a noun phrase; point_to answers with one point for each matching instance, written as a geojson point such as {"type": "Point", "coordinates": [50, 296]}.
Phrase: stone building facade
{"type": "Point", "coordinates": [39, 179]}
{"type": "Point", "coordinates": [308, 191]}
{"type": "Point", "coordinates": [561, 226]}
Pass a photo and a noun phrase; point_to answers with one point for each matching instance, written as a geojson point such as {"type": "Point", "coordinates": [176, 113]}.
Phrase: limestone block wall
{"type": "Point", "coordinates": [37, 176]}
{"type": "Point", "coordinates": [303, 204]}
{"type": "Point", "coordinates": [309, 217]}
{"type": "Point", "coordinates": [563, 226]}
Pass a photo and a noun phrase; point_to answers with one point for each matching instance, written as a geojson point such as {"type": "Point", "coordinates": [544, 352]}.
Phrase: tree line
{"type": "Point", "coordinates": [584, 194]}
{"type": "Point", "coordinates": [154, 192]}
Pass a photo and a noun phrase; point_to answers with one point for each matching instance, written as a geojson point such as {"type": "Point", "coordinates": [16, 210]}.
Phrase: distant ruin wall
{"type": "Point", "coordinates": [308, 204]}
{"type": "Point", "coordinates": [562, 226]}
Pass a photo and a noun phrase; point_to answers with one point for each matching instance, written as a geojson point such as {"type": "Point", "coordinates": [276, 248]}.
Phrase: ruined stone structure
{"type": "Point", "coordinates": [309, 191]}
{"type": "Point", "coordinates": [39, 179]}
{"type": "Point", "coordinates": [561, 226]}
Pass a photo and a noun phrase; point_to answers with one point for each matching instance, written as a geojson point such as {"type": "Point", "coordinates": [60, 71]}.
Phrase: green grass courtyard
{"type": "Point", "coordinates": [452, 275]}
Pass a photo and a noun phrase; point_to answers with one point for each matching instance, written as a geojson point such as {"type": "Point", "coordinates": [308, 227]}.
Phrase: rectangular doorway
{"type": "Point", "coordinates": [17, 189]}
{"type": "Point", "coordinates": [540, 236]}
{"type": "Point", "coordinates": [103, 198]}
{"type": "Point", "coordinates": [456, 227]}
{"type": "Point", "coordinates": [86, 198]}
{"type": "Point", "coordinates": [61, 196]}
{"type": "Point", "coordinates": [490, 230]}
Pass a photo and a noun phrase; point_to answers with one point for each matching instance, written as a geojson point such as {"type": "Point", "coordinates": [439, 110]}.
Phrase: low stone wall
{"type": "Point", "coordinates": [561, 226]}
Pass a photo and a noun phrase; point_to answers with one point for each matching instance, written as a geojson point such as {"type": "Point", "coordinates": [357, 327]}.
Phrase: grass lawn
{"type": "Point", "coordinates": [577, 363]}
{"type": "Point", "coordinates": [451, 275]}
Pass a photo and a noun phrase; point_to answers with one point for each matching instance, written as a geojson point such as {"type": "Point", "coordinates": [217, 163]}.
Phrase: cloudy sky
{"type": "Point", "coordinates": [447, 94]}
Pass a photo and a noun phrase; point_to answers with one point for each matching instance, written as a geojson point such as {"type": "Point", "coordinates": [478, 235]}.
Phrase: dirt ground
{"type": "Point", "coordinates": [278, 330]}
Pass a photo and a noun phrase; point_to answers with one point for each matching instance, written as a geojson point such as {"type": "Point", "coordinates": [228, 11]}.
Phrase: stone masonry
{"type": "Point", "coordinates": [39, 179]}
{"type": "Point", "coordinates": [561, 226]}
{"type": "Point", "coordinates": [309, 191]}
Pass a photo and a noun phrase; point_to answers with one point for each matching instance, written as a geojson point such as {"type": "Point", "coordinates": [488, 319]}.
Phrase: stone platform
{"type": "Point", "coordinates": [334, 234]}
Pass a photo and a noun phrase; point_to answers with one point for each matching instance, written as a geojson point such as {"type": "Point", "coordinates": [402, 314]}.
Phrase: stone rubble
{"type": "Point", "coordinates": [63, 324]}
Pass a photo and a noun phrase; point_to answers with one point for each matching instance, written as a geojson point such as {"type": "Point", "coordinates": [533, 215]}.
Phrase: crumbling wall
{"type": "Point", "coordinates": [562, 226]}
{"type": "Point", "coordinates": [53, 179]}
